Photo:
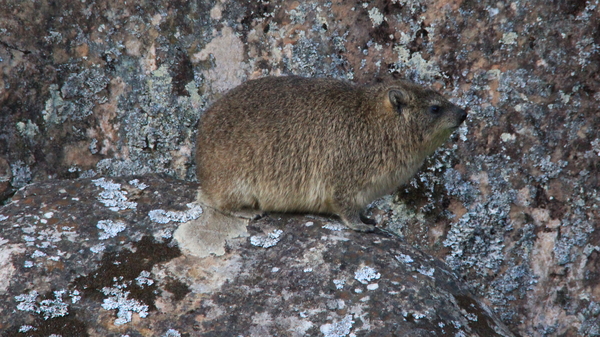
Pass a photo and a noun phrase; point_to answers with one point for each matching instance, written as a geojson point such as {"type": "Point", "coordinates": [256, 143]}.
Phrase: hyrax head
{"type": "Point", "coordinates": [423, 114]}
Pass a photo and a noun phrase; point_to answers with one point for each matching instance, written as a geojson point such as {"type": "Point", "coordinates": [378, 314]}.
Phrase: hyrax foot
{"type": "Point", "coordinates": [248, 214]}
{"type": "Point", "coordinates": [360, 227]}
{"type": "Point", "coordinates": [355, 222]}
{"type": "Point", "coordinates": [367, 220]}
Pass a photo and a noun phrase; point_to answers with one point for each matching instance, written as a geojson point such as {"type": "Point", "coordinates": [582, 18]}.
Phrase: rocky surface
{"type": "Point", "coordinates": [101, 88]}
{"type": "Point", "coordinates": [96, 257]}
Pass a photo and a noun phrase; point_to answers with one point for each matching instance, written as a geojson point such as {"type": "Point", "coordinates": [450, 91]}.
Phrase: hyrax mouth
{"type": "Point", "coordinates": [461, 116]}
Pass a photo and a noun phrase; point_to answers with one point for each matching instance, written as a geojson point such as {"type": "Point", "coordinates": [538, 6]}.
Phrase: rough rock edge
{"type": "Point", "coordinates": [309, 279]}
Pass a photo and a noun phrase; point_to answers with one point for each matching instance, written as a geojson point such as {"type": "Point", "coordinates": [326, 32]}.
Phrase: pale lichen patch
{"type": "Point", "coordinates": [48, 308]}
{"type": "Point", "coordinates": [113, 197]}
{"type": "Point", "coordinates": [373, 286]}
{"type": "Point", "coordinates": [334, 226]}
{"type": "Point", "coordinates": [339, 284]}
{"type": "Point", "coordinates": [268, 240]}
{"type": "Point", "coordinates": [508, 137]}
{"type": "Point", "coordinates": [509, 38]}
{"type": "Point", "coordinates": [26, 328]}
{"type": "Point", "coordinates": [404, 258]}
{"type": "Point", "coordinates": [172, 333]}
{"type": "Point", "coordinates": [161, 216]}
{"type": "Point", "coordinates": [376, 17]}
{"type": "Point", "coordinates": [144, 279]}
{"type": "Point", "coordinates": [366, 274]}
{"type": "Point", "coordinates": [138, 184]}
{"type": "Point", "coordinates": [338, 328]}
{"type": "Point", "coordinates": [118, 299]}
{"type": "Point", "coordinates": [110, 228]}
{"type": "Point", "coordinates": [426, 271]}
{"type": "Point", "coordinates": [99, 248]}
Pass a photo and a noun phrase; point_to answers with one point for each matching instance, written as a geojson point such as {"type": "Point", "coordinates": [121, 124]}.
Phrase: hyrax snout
{"type": "Point", "coordinates": [315, 145]}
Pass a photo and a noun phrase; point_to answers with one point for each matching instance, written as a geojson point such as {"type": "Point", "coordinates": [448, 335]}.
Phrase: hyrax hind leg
{"type": "Point", "coordinates": [230, 205]}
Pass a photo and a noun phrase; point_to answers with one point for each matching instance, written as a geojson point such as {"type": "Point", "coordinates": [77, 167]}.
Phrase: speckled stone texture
{"type": "Point", "coordinates": [96, 257]}
{"type": "Point", "coordinates": [109, 88]}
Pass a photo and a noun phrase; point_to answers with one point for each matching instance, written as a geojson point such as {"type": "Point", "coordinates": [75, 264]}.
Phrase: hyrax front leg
{"type": "Point", "coordinates": [230, 205]}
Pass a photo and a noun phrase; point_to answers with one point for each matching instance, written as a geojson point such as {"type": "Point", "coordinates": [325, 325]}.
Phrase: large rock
{"type": "Point", "coordinates": [101, 88]}
{"type": "Point", "coordinates": [96, 257]}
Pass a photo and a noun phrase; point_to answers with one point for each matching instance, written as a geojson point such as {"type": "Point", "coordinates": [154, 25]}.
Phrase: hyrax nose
{"type": "Point", "coordinates": [462, 115]}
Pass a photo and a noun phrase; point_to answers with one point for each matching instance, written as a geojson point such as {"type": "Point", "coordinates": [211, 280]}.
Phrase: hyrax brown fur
{"type": "Point", "coordinates": [315, 145]}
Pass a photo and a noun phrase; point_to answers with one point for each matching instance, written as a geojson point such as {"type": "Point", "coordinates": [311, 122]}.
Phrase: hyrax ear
{"type": "Point", "coordinates": [398, 99]}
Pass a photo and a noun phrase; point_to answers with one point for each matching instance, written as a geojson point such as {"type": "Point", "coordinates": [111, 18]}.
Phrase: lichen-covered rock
{"type": "Point", "coordinates": [96, 257]}
{"type": "Point", "coordinates": [101, 88]}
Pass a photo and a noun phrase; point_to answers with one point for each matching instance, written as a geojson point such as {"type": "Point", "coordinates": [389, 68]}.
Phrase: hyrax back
{"type": "Point", "coordinates": [293, 144]}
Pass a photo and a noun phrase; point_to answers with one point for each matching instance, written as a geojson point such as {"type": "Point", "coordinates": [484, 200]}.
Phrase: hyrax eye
{"type": "Point", "coordinates": [435, 109]}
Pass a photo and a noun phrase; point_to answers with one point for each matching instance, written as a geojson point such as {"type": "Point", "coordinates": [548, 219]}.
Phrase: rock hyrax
{"type": "Point", "coordinates": [316, 145]}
